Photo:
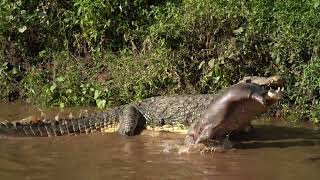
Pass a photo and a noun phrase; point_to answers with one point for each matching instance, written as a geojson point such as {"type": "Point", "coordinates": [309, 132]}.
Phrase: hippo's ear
{"type": "Point", "coordinates": [248, 80]}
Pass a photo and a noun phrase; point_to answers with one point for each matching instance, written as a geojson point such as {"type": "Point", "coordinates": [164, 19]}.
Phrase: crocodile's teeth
{"type": "Point", "coordinates": [282, 89]}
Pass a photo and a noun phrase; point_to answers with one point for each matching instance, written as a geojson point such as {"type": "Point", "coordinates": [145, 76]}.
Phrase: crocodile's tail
{"type": "Point", "coordinates": [46, 128]}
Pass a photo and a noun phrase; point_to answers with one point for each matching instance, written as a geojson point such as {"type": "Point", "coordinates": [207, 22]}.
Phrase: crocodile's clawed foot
{"type": "Point", "coordinates": [131, 122]}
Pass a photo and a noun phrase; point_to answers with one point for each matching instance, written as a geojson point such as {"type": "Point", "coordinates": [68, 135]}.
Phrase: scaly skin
{"type": "Point", "coordinates": [272, 81]}
{"type": "Point", "coordinates": [128, 119]}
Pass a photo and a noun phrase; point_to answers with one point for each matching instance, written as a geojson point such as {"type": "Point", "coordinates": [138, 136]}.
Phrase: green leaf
{"type": "Point", "coordinates": [14, 70]}
{"type": "Point", "coordinates": [42, 54]}
{"type": "Point", "coordinates": [101, 103]}
{"type": "Point", "coordinates": [61, 105]}
{"type": "Point", "coordinates": [211, 63]}
{"type": "Point", "coordinates": [238, 31]}
{"type": "Point", "coordinates": [53, 87]}
{"type": "Point", "coordinates": [60, 79]}
{"type": "Point", "coordinates": [97, 93]}
{"type": "Point", "coordinates": [69, 91]}
{"type": "Point", "coordinates": [316, 3]}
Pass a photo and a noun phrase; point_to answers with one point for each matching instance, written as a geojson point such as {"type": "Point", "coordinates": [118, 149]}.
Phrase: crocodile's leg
{"type": "Point", "coordinates": [131, 121]}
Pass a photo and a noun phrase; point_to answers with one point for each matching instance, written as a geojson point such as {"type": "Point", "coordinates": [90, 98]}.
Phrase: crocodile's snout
{"type": "Point", "coordinates": [273, 96]}
{"type": "Point", "coordinates": [277, 81]}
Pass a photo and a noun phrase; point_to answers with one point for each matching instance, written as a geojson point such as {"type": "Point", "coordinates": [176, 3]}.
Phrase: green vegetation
{"type": "Point", "coordinates": [104, 53]}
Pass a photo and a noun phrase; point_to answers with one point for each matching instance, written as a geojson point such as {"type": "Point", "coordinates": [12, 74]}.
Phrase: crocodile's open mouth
{"type": "Point", "coordinates": [273, 96]}
{"type": "Point", "coordinates": [273, 86]}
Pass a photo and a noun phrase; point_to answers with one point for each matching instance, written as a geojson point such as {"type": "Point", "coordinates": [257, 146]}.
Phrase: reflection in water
{"type": "Point", "coordinates": [273, 152]}
{"type": "Point", "coordinates": [106, 156]}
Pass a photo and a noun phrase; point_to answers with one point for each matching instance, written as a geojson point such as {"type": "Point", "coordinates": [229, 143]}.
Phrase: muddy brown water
{"type": "Point", "coordinates": [275, 151]}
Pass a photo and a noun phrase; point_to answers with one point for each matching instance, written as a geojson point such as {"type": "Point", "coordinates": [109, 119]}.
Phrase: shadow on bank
{"type": "Point", "coordinates": [270, 136]}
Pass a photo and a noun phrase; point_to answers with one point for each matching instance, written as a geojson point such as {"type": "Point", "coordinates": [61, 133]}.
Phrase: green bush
{"type": "Point", "coordinates": [105, 53]}
{"type": "Point", "coordinates": [304, 94]}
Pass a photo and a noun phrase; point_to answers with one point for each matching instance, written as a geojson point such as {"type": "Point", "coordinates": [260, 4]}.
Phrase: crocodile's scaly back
{"type": "Point", "coordinates": [100, 121]}
{"type": "Point", "coordinates": [180, 109]}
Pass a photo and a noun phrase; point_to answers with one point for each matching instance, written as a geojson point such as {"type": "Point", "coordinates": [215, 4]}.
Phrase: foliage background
{"type": "Point", "coordinates": [104, 53]}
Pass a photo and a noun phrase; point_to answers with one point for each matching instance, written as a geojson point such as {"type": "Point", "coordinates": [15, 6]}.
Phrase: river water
{"type": "Point", "coordinates": [276, 151]}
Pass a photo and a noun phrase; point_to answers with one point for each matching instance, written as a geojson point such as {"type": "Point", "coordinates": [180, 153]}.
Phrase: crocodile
{"type": "Point", "coordinates": [231, 112]}
{"type": "Point", "coordinates": [129, 119]}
